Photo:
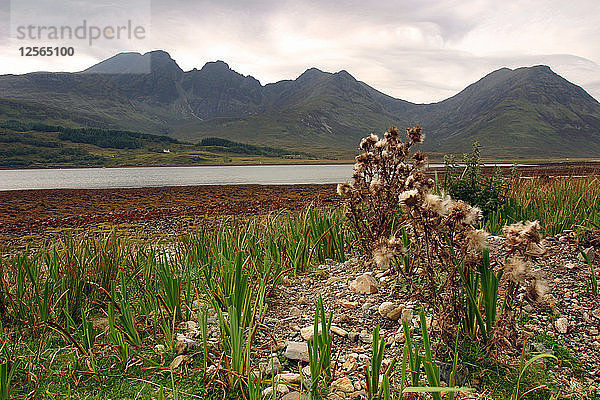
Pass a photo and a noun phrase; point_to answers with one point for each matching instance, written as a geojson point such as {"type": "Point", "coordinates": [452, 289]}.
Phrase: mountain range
{"type": "Point", "coordinates": [528, 112]}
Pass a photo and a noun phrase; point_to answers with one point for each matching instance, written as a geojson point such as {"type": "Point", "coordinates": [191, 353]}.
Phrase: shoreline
{"type": "Point", "coordinates": [436, 160]}
{"type": "Point", "coordinates": [253, 164]}
{"type": "Point", "coordinates": [24, 212]}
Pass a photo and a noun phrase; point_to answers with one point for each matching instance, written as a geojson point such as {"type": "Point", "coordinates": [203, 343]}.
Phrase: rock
{"type": "Point", "coordinates": [353, 336]}
{"type": "Point", "coordinates": [540, 348]}
{"type": "Point", "coordinates": [528, 308]}
{"type": "Point", "coordinates": [295, 312]}
{"type": "Point", "coordinates": [349, 304]}
{"type": "Point", "coordinates": [270, 367]}
{"type": "Point", "coordinates": [343, 384]}
{"type": "Point", "coordinates": [308, 332]}
{"type": "Point", "coordinates": [288, 377]}
{"type": "Point", "coordinates": [591, 253]}
{"type": "Point", "coordinates": [100, 323]}
{"type": "Point", "coordinates": [562, 325]}
{"type": "Point", "coordinates": [407, 314]}
{"type": "Point", "coordinates": [366, 306]}
{"type": "Point", "coordinates": [306, 371]}
{"type": "Point", "coordinates": [343, 319]}
{"type": "Point", "coordinates": [350, 364]}
{"type": "Point", "coordinates": [570, 265]}
{"type": "Point", "coordinates": [385, 308]}
{"type": "Point", "coordinates": [339, 331]}
{"type": "Point", "coordinates": [159, 348]}
{"type": "Point", "coordinates": [280, 389]}
{"type": "Point", "coordinates": [366, 338]}
{"type": "Point", "coordinates": [183, 344]}
{"type": "Point", "coordinates": [187, 326]}
{"type": "Point", "coordinates": [303, 301]}
{"type": "Point", "coordinates": [296, 351]}
{"type": "Point", "coordinates": [365, 284]}
{"type": "Point", "coordinates": [177, 361]}
{"type": "Point", "coordinates": [388, 310]}
{"type": "Point", "coordinates": [295, 396]}
{"type": "Point", "coordinates": [332, 280]}
{"type": "Point", "coordinates": [395, 314]}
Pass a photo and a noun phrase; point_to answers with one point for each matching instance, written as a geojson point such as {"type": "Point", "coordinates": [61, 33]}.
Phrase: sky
{"type": "Point", "coordinates": [418, 50]}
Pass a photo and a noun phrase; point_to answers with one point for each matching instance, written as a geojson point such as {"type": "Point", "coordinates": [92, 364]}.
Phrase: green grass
{"type": "Point", "coordinates": [489, 375]}
{"type": "Point", "coordinates": [53, 291]}
{"type": "Point", "coordinates": [564, 355]}
{"type": "Point", "coordinates": [559, 204]}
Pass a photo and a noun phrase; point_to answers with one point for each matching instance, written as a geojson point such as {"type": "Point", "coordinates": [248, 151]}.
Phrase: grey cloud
{"type": "Point", "coordinates": [418, 50]}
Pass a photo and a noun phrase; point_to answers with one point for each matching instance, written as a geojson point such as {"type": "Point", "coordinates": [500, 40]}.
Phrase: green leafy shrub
{"type": "Point", "coordinates": [468, 183]}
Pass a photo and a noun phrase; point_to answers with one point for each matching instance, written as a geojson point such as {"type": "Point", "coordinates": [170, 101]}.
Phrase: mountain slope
{"type": "Point", "coordinates": [529, 112]}
{"type": "Point", "coordinates": [521, 112]}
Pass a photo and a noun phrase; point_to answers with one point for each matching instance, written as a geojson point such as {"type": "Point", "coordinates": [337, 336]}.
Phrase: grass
{"type": "Point", "coordinates": [559, 204]}
{"type": "Point", "coordinates": [55, 294]}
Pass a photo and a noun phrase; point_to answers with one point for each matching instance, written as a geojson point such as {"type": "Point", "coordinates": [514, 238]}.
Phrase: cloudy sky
{"type": "Point", "coordinates": [417, 50]}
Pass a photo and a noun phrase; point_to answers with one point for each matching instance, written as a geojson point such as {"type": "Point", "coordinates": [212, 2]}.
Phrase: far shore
{"type": "Point", "coordinates": [434, 160]}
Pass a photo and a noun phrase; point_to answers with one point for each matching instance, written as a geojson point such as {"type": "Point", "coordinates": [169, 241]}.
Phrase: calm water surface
{"type": "Point", "coordinates": [104, 178]}
{"type": "Point", "coordinates": [108, 178]}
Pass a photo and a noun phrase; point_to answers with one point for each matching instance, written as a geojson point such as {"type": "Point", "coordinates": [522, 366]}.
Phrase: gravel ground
{"type": "Point", "coordinates": [568, 302]}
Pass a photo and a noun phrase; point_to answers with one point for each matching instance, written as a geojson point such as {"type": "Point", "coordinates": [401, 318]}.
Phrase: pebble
{"type": "Point", "coordinates": [339, 331]}
{"type": "Point", "coordinates": [349, 304]}
{"type": "Point", "coordinates": [296, 351]}
{"type": "Point", "coordinates": [343, 384]}
{"type": "Point", "coordinates": [295, 312]}
{"type": "Point", "coordinates": [183, 344]}
{"type": "Point", "coordinates": [353, 336]}
{"type": "Point", "coordinates": [177, 361]}
{"type": "Point", "coordinates": [308, 332]}
{"type": "Point", "coordinates": [365, 284]}
{"type": "Point", "coordinates": [365, 337]}
{"type": "Point", "coordinates": [385, 308]}
{"type": "Point", "coordinates": [295, 396]}
{"type": "Point", "coordinates": [288, 377]}
{"type": "Point", "coordinates": [562, 325]}
{"type": "Point", "coordinates": [271, 367]}
{"type": "Point", "coordinates": [280, 389]}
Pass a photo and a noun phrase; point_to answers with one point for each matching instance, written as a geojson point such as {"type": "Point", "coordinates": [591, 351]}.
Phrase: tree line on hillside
{"type": "Point", "coordinates": [106, 138]}
{"type": "Point", "coordinates": [120, 139]}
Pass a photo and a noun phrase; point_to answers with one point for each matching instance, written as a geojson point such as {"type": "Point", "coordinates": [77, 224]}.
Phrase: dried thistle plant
{"type": "Point", "coordinates": [391, 193]}
{"type": "Point", "coordinates": [523, 246]}
{"type": "Point", "coordinates": [380, 173]}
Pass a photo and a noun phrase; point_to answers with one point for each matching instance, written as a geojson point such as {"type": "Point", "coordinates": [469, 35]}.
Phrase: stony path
{"type": "Point", "coordinates": [569, 314]}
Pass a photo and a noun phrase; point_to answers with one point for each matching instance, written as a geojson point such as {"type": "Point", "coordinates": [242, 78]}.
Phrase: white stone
{"type": "Point", "coordinates": [562, 325]}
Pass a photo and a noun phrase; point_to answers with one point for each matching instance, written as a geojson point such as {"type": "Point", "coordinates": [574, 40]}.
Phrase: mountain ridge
{"type": "Point", "coordinates": [512, 112]}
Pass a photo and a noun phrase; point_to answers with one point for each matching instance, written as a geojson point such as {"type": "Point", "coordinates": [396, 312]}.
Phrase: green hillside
{"type": "Point", "coordinates": [523, 113]}
{"type": "Point", "coordinates": [40, 145]}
